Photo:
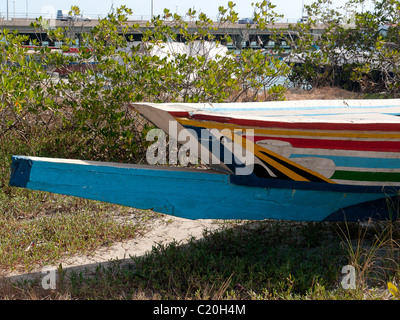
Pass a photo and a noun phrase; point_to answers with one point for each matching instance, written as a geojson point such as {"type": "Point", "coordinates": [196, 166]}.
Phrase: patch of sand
{"type": "Point", "coordinates": [163, 231]}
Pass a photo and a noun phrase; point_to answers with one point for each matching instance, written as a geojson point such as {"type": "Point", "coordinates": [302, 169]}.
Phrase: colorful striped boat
{"type": "Point", "coordinates": [310, 160]}
{"type": "Point", "coordinates": [346, 146]}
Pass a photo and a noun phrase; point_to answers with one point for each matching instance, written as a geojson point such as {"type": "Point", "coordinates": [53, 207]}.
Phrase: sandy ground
{"type": "Point", "coordinates": [162, 231]}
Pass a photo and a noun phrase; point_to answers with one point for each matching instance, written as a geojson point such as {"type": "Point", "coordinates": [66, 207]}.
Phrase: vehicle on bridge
{"type": "Point", "coordinates": [64, 15]}
{"type": "Point", "coordinates": [246, 21]}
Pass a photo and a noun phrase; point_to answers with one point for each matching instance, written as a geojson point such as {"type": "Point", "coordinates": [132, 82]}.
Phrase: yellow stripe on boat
{"type": "Point", "coordinates": [280, 132]}
{"type": "Point", "coordinates": [262, 153]}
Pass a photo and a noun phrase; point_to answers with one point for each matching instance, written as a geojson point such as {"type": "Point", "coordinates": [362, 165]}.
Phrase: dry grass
{"type": "Point", "coordinates": [325, 93]}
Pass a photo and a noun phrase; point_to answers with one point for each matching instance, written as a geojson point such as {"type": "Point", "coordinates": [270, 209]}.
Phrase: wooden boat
{"type": "Point", "coordinates": [311, 160]}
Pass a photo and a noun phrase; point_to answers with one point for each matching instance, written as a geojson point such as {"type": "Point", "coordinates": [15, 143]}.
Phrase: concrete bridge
{"type": "Point", "coordinates": [241, 34]}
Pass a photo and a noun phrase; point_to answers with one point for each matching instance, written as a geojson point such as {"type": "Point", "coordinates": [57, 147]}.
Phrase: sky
{"type": "Point", "coordinates": [291, 9]}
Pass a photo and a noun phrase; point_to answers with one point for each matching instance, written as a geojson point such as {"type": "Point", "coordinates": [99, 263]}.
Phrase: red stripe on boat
{"type": "Point", "coordinates": [293, 125]}
{"type": "Point", "coordinates": [179, 114]}
{"type": "Point", "coordinates": [384, 146]}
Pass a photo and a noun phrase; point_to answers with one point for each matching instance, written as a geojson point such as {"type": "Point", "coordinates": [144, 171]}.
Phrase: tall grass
{"type": "Point", "coordinates": [373, 250]}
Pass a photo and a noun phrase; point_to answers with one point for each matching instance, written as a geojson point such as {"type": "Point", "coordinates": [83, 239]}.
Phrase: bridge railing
{"type": "Point", "coordinates": [51, 14]}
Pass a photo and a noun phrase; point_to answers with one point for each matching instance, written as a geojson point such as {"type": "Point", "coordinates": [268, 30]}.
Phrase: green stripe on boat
{"type": "Point", "coordinates": [366, 176]}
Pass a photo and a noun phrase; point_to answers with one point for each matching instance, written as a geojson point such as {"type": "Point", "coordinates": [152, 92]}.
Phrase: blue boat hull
{"type": "Point", "coordinates": [201, 194]}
